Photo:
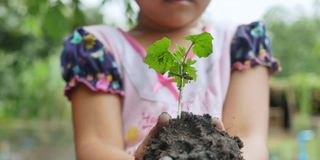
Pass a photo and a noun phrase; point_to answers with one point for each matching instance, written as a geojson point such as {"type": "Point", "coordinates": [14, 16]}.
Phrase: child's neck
{"type": "Point", "coordinates": [146, 33]}
{"type": "Point", "coordinates": [161, 31]}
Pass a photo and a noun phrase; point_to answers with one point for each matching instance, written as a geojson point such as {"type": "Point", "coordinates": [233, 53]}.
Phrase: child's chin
{"type": "Point", "coordinates": [176, 24]}
{"type": "Point", "coordinates": [179, 22]}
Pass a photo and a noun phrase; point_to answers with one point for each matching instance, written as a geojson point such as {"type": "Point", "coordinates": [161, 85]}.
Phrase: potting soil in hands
{"type": "Point", "coordinates": [193, 137]}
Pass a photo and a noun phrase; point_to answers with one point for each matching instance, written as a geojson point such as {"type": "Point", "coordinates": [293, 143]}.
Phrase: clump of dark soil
{"type": "Point", "coordinates": [193, 137]}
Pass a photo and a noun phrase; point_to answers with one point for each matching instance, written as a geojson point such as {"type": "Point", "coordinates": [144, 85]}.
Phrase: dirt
{"type": "Point", "coordinates": [193, 137]}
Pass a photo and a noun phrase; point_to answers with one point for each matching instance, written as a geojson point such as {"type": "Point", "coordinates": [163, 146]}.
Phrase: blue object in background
{"type": "Point", "coordinates": [303, 137]}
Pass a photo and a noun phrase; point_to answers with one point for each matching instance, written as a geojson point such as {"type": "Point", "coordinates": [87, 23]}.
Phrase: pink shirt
{"type": "Point", "coordinates": [147, 94]}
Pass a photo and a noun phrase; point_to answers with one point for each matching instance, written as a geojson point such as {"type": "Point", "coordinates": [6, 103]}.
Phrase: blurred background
{"type": "Point", "coordinates": [35, 116]}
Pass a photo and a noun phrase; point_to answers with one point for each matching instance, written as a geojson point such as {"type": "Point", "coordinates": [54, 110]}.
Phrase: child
{"type": "Point", "coordinates": [116, 99]}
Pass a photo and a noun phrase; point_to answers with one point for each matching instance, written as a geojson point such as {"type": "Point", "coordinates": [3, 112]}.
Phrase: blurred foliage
{"type": "Point", "coordinates": [295, 40]}
{"type": "Point", "coordinates": [34, 92]}
{"type": "Point", "coordinates": [31, 37]}
{"type": "Point", "coordinates": [296, 43]}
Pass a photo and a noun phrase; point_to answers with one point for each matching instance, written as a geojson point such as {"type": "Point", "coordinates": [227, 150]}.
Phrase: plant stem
{"type": "Point", "coordinates": [180, 93]}
{"type": "Point", "coordinates": [185, 57]}
{"type": "Point", "coordinates": [181, 81]}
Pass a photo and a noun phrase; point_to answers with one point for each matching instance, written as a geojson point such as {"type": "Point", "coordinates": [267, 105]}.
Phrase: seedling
{"type": "Point", "coordinates": [175, 64]}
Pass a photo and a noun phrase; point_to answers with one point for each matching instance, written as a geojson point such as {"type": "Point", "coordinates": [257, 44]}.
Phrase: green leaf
{"type": "Point", "coordinates": [190, 70]}
{"type": "Point", "coordinates": [202, 44]}
{"type": "Point", "coordinates": [175, 70]}
{"type": "Point", "coordinates": [179, 53]}
{"type": "Point", "coordinates": [158, 56]}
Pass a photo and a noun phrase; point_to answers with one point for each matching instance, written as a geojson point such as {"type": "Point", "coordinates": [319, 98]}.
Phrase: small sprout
{"type": "Point", "coordinates": [176, 63]}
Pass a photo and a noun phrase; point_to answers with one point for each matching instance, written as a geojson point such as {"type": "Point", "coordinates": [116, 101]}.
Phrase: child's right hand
{"type": "Point", "coordinates": [163, 120]}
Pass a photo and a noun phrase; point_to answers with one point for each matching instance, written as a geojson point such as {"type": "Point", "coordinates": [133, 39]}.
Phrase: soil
{"type": "Point", "coordinates": [193, 137]}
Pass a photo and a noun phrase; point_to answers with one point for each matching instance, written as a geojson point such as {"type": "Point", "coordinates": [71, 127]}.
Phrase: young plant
{"type": "Point", "coordinates": [175, 63]}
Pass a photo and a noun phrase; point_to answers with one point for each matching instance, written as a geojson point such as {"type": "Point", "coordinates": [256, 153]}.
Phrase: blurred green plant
{"type": "Point", "coordinates": [31, 38]}
{"type": "Point", "coordinates": [303, 85]}
{"type": "Point", "coordinates": [296, 43]}
{"type": "Point", "coordinates": [31, 35]}
{"type": "Point", "coordinates": [295, 40]}
{"type": "Point", "coordinates": [36, 92]}
{"type": "Point", "coordinates": [299, 88]}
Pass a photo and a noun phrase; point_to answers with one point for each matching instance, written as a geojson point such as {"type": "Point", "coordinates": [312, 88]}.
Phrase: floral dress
{"type": "Point", "coordinates": [109, 61]}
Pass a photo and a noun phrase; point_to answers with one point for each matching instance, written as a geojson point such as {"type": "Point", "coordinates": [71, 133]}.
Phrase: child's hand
{"type": "Point", "coordinates": [163, 121]}
{"type": "Point", "coordinates": [218, 123]}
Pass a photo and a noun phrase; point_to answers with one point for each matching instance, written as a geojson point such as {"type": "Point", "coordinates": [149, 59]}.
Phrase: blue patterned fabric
{"type": "Point", "coordinates": [251, 47]}
{"type": "Point", "coordinates": [86, 61]}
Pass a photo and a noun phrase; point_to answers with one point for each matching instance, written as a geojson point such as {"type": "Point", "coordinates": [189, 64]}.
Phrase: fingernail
{"type": "Point", "coordinates": [165, 114]}
{"type": "Point", "coordinates": [164, 118]}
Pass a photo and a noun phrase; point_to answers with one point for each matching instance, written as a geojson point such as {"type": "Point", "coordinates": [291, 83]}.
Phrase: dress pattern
{"type": "Point", "coordinates": [86, 61]}
{"type": "Point", "coordinates": [251, 47]}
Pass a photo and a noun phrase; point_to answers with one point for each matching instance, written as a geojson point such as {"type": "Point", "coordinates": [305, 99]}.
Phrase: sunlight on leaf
{"type": "Point", "coordinates": [202, 44]}
{"type": "Point", "coordinates": [158, 56]}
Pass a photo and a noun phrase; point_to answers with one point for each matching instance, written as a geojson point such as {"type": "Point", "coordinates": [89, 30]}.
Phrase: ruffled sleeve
{"type": "Point", "coordinates": [86, 61]}
{"type": "Point", "coordinates": [251, 47]}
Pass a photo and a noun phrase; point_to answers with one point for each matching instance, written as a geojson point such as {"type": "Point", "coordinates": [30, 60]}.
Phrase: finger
{"type": "Point", "coordinates": [163, 120]}
{"type": "Point", "coordinates": [218, 123]}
